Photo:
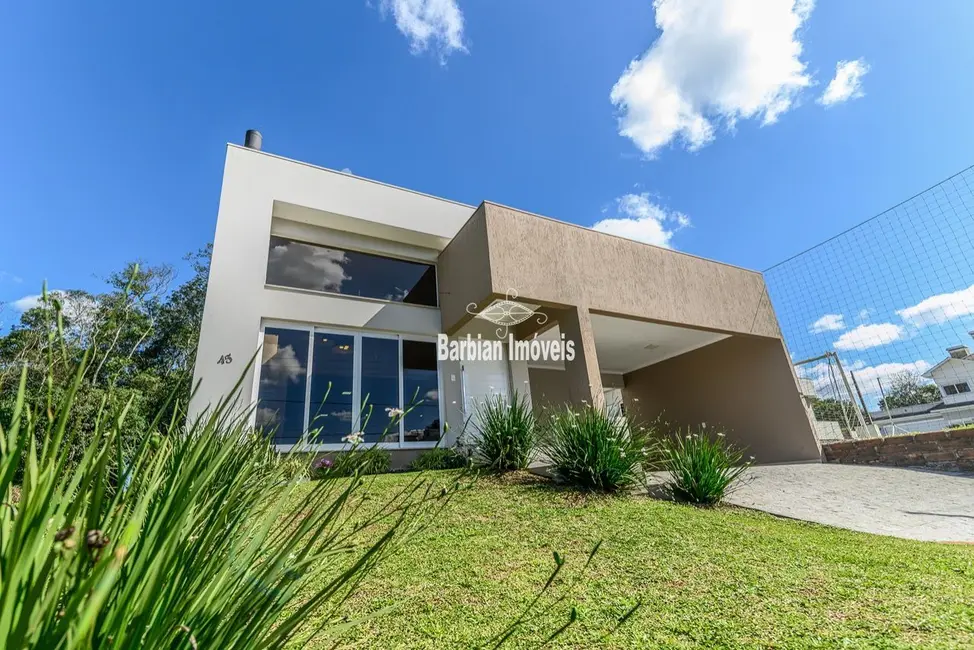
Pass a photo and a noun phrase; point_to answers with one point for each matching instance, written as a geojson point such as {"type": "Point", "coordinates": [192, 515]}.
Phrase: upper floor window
{"type": "Point", "coordinates": [324, 268]}
{"type": "Point", "coordinates": [954, 389]}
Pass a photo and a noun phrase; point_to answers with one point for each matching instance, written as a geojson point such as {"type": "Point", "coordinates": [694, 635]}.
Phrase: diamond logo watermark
{"type": "Point", "coordinates": [505, 314]}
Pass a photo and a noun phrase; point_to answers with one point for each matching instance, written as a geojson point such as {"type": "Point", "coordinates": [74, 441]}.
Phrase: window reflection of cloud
{"type": "Point", "coordinates": [283, 367]}
{"type": "Point", "coordinates": [299, 263]}
{"type": "Point", "coordinates": [268, 417]}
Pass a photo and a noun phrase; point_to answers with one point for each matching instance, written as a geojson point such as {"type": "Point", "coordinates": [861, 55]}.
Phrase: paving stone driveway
{"type": "Point", "coordinates": [894, 501]}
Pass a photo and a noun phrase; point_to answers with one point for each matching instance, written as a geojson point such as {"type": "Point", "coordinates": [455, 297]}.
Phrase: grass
{"type": "Point", "coordinates": [708, 578]}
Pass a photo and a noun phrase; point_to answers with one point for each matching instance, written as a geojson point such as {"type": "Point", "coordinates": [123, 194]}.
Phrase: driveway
{"type": "Point", "coordinates": [901, 502]}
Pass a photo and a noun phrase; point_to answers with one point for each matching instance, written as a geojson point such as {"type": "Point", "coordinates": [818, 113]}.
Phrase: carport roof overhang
{"type": "Point", "coordinates": [558, 265]}
{"type": "Point", "coordinates": [624, 345]}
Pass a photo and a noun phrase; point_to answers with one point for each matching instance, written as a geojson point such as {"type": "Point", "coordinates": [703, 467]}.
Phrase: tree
{"type": "Point", "coordinates": [830, 409]}
{"type": "Point", "coordinates": [140, 339]}
{"type": "Point", "coordinates": [908, 389]}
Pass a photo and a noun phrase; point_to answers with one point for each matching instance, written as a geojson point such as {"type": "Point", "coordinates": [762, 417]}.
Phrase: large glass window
{"type": "Point", "coordinates": [420, 388]}
{"type": "Point", "coordinates": [380, 389]}
{"type": "Point", "coordinates": [322, 268]}
{"type": "Point", "coordinates": [332, 385]}
{"type": "Point", "coordinates": [358, 382]}
{"type": "Point", "coordinates": [283, 380]}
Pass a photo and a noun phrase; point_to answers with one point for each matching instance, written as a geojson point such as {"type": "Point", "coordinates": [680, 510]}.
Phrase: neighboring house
{"type": "Point", "coordinates": [954, 377]}
{"type": "Point", "coordinates": [341, 286]}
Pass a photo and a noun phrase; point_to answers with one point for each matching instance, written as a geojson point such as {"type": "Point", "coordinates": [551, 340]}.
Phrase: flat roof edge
{"type": "Point", "coordinates": [336, 171]}
{"type": "Point", "coordinates": [608, 234]}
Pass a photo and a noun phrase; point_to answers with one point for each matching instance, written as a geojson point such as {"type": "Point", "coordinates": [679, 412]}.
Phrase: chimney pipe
{"type": "Point", "coordinates": [959, 351]}
{"type": "Point", "coordinates": [253, 139]}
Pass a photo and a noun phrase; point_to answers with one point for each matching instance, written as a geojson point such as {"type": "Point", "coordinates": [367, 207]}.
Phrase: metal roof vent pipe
{"type": "Point", "coordinates": [253, 139]}
{"type": "Point", "coordinates": [958, 351]}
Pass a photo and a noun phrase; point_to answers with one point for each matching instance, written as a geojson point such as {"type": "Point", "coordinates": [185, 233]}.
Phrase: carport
{"type": "Point", "coordinates": [667, 334]}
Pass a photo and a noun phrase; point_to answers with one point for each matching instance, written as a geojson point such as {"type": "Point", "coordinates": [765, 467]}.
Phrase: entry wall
{"type": "Point", "coordinates": [744, 385]}
{"type": "Point", "coordinates": [549, 388]}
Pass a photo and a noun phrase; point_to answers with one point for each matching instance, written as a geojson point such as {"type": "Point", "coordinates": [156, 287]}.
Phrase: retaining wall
{"type": "Point", "coordinates": [951, 450]}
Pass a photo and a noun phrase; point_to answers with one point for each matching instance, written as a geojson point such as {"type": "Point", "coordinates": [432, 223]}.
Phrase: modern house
{"type": "Point", "coordinates": [342, 285]}
{"type": "Point", "coordinates": [954, 377]}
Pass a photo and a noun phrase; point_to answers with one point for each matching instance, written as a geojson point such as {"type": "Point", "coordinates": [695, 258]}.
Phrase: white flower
{"type": "Point", "coordinates": [354, 438]}
{"type": "Point", "coordinates": [752, 457]}
{"type": "Point", "coordinates": [703, 425]}
{"type": "Point", "coordinates": [720, 435]}
{"type": "Point", "coordinates": [394, 412]}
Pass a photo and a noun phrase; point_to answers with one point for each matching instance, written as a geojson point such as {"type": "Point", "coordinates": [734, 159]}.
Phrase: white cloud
{"type": "Point", "coordinates": [428, 24]}
{"type": "Point", "coordinates": [846, 84]}
{"type": "Point", "coordinates": [27, 302]}
{"type": "Point", "coordinates": [827, 323]}
{"type": "Point", "coordinates": [79, 309]}
{"type": "Point", "coordinates": [715, 61]}
{"type": "Point", "coordinates": [642, 220]}
{"type": "Point", "coordinates": [864, 337]}
{"type": "Point", "coordinates": [10, 277]}
{"type": "Point", "coordinates": [940, 308]}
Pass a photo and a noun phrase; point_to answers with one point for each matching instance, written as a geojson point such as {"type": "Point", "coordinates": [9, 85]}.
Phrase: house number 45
{"type": "Point", "coordinates": [225, 359]}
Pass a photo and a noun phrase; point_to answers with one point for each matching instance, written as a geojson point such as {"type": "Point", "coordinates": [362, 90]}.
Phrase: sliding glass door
{"type": "Point", "coordinates": [421, 392]}
{"type": "Point", "coordinates": [332, 399]}
{"type": "Point", "coordinates": [380, 389]}
{"type": "Point", "coordinates": [318, 386]}
{"type": "Point", "coordinates": [283, 382]}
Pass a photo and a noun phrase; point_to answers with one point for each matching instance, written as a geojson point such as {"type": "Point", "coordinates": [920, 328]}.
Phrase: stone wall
{"type": "Point", "coordinates": [951, 450]}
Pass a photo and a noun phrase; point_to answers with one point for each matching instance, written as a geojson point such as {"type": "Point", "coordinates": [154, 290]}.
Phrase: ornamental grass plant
{"type": "Point", "coordinates": [702, 466]}
{"type": "Point", "coordinates": [195, 539]}
{"type": "Point", "coordinates": [594, 449]}
{"type": "Point", "coordinates": [506, 433]}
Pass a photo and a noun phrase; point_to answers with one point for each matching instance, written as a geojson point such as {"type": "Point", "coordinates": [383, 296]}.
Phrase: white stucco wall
{"type": "Point", "coordinates": [256, 187]}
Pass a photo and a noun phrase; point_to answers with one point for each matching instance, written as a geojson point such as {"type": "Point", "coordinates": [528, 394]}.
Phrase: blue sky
{"type": "Point", "coordinates": [716, 142]}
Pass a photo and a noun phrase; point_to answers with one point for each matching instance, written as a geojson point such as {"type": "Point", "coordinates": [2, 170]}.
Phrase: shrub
{"type": "Point", "coordinates": [703, 467]}
{"type": "Point", "coordinates": [438, 458]}
{"type": "Point", "coordinates": [294, 466]}
{"type": "Point", "coordinates": [506, 433]}
{"type": "Point", "coordinates": [593, 449]}
{"type": "Point", "coordinates": [358, 460]}
{"type": "Point", "coordinates": [203, 541]}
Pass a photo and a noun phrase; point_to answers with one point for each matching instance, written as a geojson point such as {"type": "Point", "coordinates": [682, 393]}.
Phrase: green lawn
{"type": "Point", "coordinates": [720, 578]}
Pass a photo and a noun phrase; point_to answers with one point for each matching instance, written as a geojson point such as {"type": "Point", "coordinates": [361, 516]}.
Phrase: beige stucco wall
{"type": "Point", "coordinates": [463, 272]}
{"type": "Point", "coordinates": [742, 385]}
{"type": "Point", "coordinates": [549, 388]}
{"type": "Point", "coordinates": [554, 263]}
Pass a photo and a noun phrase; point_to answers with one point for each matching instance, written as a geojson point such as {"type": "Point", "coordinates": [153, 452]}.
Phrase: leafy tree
{"type": "Point", "coordinates": [908, 389]}
{"type": "Point", "coordinates": [830, 409]}
{"type": "Point", "coordinates": [140, 338]}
